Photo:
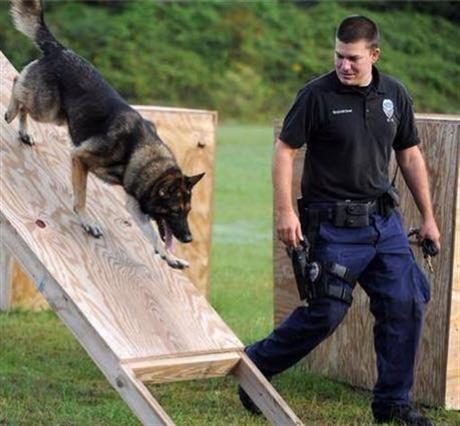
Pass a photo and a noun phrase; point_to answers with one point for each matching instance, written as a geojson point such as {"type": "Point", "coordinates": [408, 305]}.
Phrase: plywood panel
{"type": "Point", "coordinates": [452, 388]}
{"type": "Point", "coordinates": [185, 368]}
{"type": "Point", "coordinates": [353, 339]}
{"type": "Point", "coordinates": [24, 294]}
{"type": "Point", "coordinates": [139, 305]}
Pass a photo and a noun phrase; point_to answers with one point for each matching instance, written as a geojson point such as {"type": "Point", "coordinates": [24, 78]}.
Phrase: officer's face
{"type": "Point", "coordinates": [353, 62]}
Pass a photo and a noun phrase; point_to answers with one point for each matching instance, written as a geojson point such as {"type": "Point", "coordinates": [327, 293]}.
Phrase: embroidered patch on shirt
{"type": "Point", "coordinates": [388, 108]}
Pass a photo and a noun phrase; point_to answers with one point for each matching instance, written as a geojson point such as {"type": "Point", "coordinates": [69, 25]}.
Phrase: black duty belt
{"type": "Point", "coordinates": [348, 214]}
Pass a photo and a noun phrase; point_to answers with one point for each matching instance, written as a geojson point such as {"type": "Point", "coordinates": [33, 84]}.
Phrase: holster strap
{"type": "Point", "coordinates": [337, 291]}
{"type": "Point", "coordinates": [331, 288]}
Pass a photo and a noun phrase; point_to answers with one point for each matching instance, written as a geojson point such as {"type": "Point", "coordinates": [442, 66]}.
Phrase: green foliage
{"type": "Point", "coordinates": [245, 59]}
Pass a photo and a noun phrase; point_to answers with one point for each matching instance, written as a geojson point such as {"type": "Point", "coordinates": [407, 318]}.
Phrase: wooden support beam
{"type": "Point", "coordinates": [184, 368]}
{"type": "Point", "coordinates": [264, 394]}
{"type": "Point", "coordinates": [5, 278]}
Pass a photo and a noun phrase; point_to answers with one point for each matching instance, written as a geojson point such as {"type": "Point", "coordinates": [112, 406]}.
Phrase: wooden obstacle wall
{"type": "Point", "coordinates": [348, 355]}
{"type": "Point", "coordinates": [191, 134]}
{"type": "Point", "coordinates": [138, 319]}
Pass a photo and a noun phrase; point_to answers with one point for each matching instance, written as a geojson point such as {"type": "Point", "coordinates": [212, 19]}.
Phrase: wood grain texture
{"type": "Point", "coordinates": [185, 368]}
{"type": "Point", "coordinates": [24, 294]}
{"type": "Point", "coordinates": [348, 355]}
{"type": "Point", "coordinates": [452, 389]}
{"type": "Point", "coordinates": [6, 265]}
{"type": "Point", "coordinates": [140, 306]}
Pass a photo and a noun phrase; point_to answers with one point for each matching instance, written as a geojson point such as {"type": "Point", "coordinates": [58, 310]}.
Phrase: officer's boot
{"type": "Point", "coordinates": [400, 414]}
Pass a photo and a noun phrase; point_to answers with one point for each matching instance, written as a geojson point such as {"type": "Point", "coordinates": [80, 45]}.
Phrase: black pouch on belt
{"type": "Point", "coordinates": [349, 214]}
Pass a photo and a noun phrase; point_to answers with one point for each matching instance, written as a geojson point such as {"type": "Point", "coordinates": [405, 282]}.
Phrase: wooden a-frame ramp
{"type": "Point", "coordinates": [139, 320]}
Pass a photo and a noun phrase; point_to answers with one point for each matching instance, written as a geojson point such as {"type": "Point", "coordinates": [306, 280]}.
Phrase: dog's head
{"type": "Point", "coordinates": [169, 204]}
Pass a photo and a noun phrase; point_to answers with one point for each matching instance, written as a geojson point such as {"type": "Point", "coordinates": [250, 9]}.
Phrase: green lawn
{"type": "Point", "coordinates": [47, 379]}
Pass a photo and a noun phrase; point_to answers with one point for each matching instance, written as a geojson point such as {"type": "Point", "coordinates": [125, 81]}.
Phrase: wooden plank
{"type": "Point", "coordinates": [5, 278]}
{"type": "Point", "coordinates": [264, 394]}
{"type": "Point", "coordinates": [440, 145]}
{"type": "Point", "coordinates": [128, 386]}
{"type": "Point", "coordinates": [184, 368]}
{"type": "Point", "coordinates": [452, 387]}
{"type": "Point", "coordinates": [25, 294]}
{"type": "Point", "coordinates": [109, 278]}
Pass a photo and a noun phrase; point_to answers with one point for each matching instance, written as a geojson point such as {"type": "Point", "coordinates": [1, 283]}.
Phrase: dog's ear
{"type": "Point", "coordinates": [191, 181]}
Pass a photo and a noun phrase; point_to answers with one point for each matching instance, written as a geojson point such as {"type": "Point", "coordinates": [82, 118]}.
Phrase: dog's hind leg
{"type": "Point", "coordinates": [23, 133]}
{"type": "Point", "coordinates": [79, 182]}
{"type": "Point", "coordinates": [145, 224]}
{"type": "Point", "coordinates": [13, 106]}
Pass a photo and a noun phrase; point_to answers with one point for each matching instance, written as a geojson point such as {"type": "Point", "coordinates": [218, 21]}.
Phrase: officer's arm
{"type": "Point", "coordinates": [413, 168]}
{"type": "Point", "coordinates": [286, 221]}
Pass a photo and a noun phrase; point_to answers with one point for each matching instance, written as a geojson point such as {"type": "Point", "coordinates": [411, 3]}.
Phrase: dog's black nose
{"type": "Point", "coordinates": [187, 238]}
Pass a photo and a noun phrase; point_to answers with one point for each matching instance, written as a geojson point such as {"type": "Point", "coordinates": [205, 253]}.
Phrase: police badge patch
{"type": "Point", "coordinates": [388, 109]}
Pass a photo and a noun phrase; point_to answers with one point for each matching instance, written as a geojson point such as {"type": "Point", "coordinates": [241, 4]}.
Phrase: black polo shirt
{"type": "Point", "coordinates": [350, 134]}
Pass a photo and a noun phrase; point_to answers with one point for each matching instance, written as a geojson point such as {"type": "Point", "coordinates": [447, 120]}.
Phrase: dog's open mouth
{"type": "Point", "coordinates": [165, 234]}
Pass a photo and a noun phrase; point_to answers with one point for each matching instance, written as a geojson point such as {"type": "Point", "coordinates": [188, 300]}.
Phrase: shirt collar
{"type": "Point", "coordinates": [377, 83]}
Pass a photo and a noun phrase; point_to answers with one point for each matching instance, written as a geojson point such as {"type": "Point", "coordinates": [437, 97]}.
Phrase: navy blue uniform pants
{"type": "Point", "coordinates": [379, 254]}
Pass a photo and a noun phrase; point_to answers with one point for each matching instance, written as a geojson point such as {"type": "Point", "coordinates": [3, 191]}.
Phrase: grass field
{"type": "Point", "coordinates": [47, 379]}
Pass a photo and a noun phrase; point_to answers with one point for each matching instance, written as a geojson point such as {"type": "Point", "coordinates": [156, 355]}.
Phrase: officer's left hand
{"type": "Point", "coordinates": [429, 229]}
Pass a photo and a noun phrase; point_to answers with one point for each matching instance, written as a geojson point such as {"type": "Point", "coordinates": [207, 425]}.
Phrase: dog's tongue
{"type": "Point", "coordinates": [168, 239]}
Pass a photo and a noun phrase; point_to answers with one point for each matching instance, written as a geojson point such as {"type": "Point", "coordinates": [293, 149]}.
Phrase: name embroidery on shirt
{"type": "Point", "coordinates": [341, 111]}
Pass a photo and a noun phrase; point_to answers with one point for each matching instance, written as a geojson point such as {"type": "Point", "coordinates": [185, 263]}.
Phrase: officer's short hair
{"type": "Point", "coordinates": [357, 27]}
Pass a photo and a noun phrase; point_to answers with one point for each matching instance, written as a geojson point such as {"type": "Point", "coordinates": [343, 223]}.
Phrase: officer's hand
{"type": "Point", "coordinates": [429, 229]}
{"type": "Point", "coordinates": [288, 228]}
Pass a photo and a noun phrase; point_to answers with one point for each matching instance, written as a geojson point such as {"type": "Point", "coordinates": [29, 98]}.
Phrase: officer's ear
{"type": "Point", "coordinates": [375, 54]}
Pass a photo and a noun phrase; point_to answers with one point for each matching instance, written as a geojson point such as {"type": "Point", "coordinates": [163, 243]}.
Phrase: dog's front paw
{"type": "Point", "coordinates": [93, 229]}
{"type": "Point", "coordinates": [26, 138]}
{"type": "Point", "coordinates": [177, 263]}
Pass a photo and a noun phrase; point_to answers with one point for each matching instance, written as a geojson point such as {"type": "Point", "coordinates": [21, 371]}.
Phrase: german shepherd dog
{"type": "Point", "coordinates": [110, 138]}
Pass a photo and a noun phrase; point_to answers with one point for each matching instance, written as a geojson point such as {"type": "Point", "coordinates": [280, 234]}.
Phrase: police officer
{"type": "Point", "coordinates": [351, 119]}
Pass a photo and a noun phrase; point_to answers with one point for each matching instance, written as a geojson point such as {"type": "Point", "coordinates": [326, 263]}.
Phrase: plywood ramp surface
{"type": "Point", "coordinates": [139, 306]}
{"type": "Point", "coordinates": [139, 320]}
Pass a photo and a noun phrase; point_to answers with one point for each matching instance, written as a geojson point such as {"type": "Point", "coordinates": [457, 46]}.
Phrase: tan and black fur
{"type": "Point", "coordinates": [110, 138]}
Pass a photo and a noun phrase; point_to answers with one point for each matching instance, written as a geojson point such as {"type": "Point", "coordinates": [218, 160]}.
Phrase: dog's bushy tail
{"type": "Point", "coordinates": [28, 19]}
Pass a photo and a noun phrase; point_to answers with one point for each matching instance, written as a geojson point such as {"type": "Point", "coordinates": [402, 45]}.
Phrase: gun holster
{"type": "Point", "coordinates": [313, 278]}
{"type": "Point", "coordinates": [301, 266]}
